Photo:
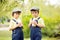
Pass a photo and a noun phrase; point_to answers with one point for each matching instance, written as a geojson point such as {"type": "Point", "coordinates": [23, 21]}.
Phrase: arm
{"type": "Point", "coordinates": [12, 26]}
{"type": "Point", "coordinates": [40, 23]}
{"type": "Point", "coordinates": [30, 23]}
{"type": "Point", "coordinates": [21, 24]}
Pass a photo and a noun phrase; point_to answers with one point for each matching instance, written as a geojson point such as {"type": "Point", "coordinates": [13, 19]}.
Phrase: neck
{"type": "Point", "coordinates": [15, 17]}
{"type": "Point", "coordinates": [35, 16]}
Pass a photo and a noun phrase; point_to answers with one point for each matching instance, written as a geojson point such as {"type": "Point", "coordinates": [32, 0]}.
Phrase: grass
{"type": "Point", "coordinates": [6, 35]}
{"type": "Point", "coordinates": [9, 38]}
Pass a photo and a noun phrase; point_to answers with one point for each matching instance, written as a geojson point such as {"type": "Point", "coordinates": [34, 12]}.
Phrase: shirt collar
{"type": "Point", "coordinates": [36, 17]}
{"type": "Point", "coordinates": [15, 19]}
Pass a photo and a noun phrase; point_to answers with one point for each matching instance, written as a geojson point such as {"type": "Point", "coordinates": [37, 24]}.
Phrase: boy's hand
{"type": "Point", "coordinates": [20, 25]}
{"type": "Point", "coordinates": [34, 22]}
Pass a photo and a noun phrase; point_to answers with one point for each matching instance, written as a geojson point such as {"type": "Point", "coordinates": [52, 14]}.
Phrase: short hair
{"type": "Point", "coordinates": [35, 10]}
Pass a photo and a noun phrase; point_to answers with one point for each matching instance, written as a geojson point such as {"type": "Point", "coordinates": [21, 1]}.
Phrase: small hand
{"type": "Point", "coordinates": [20, 24]}
{"type": "Point", "coordinates": [34, 22]}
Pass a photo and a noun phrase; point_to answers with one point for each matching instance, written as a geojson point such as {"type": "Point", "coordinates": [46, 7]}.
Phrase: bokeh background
{"type": "Point", "coordinates": [49, 11]}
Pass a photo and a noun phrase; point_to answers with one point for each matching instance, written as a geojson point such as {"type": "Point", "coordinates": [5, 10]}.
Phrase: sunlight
{"type": "Point", "coordinates": [52, 2]}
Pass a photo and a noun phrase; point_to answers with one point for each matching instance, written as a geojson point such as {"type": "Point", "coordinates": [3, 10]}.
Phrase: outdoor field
{"type": "Point", "coordinates": [6, 35]}
{"type": "Point", "coordinates": [48, 10]}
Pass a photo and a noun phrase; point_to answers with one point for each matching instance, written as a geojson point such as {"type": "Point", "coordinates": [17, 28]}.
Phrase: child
{"type": "Point", "coordinates": [36, 23]}
{"type": "Point", "coordinates": [16, 25]}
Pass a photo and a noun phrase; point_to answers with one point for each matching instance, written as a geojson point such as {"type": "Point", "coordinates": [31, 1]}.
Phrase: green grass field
{"type": "Point", "coordinates": [6, 35]}
{"type": "Point", "coordinates": [9, 38]}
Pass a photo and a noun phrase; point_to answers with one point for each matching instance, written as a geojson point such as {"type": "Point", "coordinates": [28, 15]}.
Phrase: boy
{"type": "Point", "coordinates": [36, 23]}
{"type": "Point", "coordinates": [16, 25]}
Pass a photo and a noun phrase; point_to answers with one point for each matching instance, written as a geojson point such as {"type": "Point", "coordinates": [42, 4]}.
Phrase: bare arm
{"type": "Point", "coordinates": [40, 23]}
{"type": "Point", "coordinates": [30, 23]}
{"type": "Point", "coordinates": [12, 26]}
{"type": "Point", "coordinates": [21, 24]}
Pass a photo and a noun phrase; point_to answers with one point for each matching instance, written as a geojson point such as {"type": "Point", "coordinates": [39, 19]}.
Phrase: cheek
{"type": "Point", "coordinates": [17, 15]}
{"type": "Point", "coordinates": [14, 14]}
{"type": "Point", "coordinates": [36, 14]}
{"type": "Point", "coordinates": [33, 14]}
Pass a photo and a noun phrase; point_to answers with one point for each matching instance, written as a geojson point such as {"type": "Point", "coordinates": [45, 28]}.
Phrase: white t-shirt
{"type": "Point", "coordinates": [40, 21]}
{"type": "Point", "coordinates": [12, 23]}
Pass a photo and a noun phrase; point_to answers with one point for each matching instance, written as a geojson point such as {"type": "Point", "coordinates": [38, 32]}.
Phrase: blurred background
{"type": "Point", "coordinates": [49, 11]}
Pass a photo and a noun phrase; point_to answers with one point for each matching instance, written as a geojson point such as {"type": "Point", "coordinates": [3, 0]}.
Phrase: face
{"type": "Point", "coordinates": [34, 13]}
{"type": "Point", "coordinates": [16, 15]}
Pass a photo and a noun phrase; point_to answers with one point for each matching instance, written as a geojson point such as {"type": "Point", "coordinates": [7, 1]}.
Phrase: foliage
{"type": "Point", "coordinates": [50, 14]}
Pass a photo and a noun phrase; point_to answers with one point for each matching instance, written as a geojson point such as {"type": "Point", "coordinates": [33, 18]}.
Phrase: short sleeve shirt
{"type": "Point", "coordinates": [40, 21]}
{"type": "Point", "coordinates": [12, 23]}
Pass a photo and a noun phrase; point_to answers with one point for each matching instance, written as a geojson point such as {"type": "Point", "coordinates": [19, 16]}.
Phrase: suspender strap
{"type": "Point", "coordinates": [37, 19]}
{"type": "Point", "coordinates": [15, 21]}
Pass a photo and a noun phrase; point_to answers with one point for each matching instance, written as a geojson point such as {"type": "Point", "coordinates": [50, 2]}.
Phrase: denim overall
{"type": "Point", "coordinates": [17, 34]}
{"type": "Point", "coordinates": [35, 32]}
